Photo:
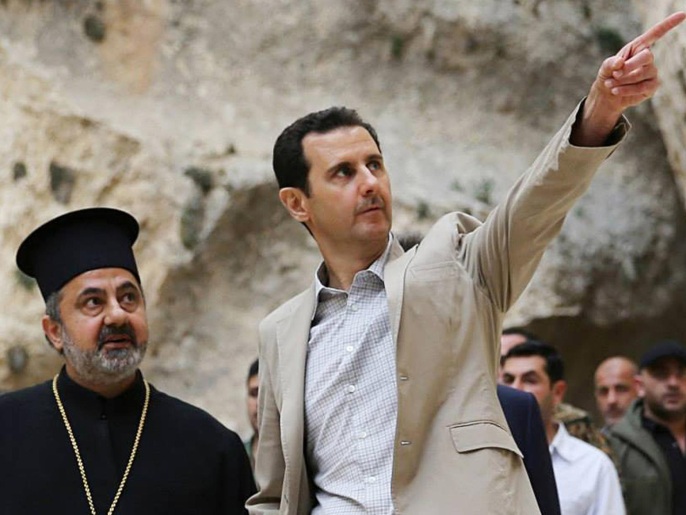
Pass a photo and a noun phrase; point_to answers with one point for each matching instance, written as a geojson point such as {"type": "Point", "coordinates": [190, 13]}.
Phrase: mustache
{"type": "Point", "coordinates": [116, 330]}
{"type": "Point", "coordinates": [368, 203]}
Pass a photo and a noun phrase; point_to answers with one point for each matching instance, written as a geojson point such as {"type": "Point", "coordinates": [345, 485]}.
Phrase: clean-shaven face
{"type": "Point", "coordinates": [350, 192]}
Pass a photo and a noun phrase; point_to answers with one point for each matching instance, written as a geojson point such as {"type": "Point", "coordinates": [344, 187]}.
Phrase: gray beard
{"type": "Point", "coordinates": [101, 367]}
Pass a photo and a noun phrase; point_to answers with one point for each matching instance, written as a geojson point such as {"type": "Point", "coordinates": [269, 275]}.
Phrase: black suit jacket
{"type": "Point", "coordinates": [524, 418]}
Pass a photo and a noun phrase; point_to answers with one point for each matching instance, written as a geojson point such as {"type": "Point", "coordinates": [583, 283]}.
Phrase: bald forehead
{"type": "Point", "coordinates": [617, 366]}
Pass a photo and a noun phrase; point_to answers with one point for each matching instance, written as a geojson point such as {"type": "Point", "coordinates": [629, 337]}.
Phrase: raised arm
{"type": "Point", "coordinates": [624, 80]}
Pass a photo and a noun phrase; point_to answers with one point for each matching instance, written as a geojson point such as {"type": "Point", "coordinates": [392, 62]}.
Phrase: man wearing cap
{"type": "Point", "coordinates": [98, 438]}
{"type": "Point", "coordinates": [650, 441]}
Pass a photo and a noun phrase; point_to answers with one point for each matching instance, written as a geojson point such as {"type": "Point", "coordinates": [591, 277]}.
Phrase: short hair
{"type": "Point", "coordinates": [52, 310]}
{"type": "Point", "coordinates": [554, 365]}
{"type": "Point", "coordinates": [520, 330]}
{"type": "Point", "coordinates": [254, 369]}
{"type": "Point", "coordinates": [52, 306]}
{"type": "Point", "coordinates": [290, 165]}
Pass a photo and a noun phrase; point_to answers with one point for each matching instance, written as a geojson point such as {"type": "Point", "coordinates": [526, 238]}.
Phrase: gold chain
{"type": "Point", "coordinates": [79, 461]}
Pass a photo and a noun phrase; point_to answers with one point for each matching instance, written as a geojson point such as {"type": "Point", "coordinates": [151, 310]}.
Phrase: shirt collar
{"type": "Point", "coordinates": [321, 276]}
{"type": "Point", "coordinates": [73, 393]}
{"type": "Point", "coordinates": [562, 444]}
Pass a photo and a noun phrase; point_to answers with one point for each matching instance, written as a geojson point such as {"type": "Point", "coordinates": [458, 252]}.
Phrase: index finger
{"type": "Point", "coordinates": [658, 30]}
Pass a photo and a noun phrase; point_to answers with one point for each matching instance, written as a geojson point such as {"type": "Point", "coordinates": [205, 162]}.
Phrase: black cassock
{"type": "Point", "coordinates": [187, 463]}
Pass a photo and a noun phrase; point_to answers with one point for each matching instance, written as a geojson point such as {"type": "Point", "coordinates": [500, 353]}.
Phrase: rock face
{"type": "Point", "coordinates": [169, 109]}
{"type": "Point", "coordinates": [670, 105]}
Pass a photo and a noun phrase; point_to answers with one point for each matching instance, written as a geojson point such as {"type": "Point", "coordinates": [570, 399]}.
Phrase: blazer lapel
{"type": "Point", "coordinates": [394, 281]}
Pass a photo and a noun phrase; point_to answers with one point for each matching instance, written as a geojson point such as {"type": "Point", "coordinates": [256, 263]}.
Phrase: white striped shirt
{"type": "Point", "coordinates": [351, 396]}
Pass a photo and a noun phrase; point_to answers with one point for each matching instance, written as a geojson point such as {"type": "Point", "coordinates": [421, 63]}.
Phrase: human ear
{"type": "Point", "coordinates": [53, 332]}
{"type": "Point", "coordinates": [295, 202]}
{"type": "Point", "coordinates": [559, 390]}
{"type": "Point", "coordinates": [640, 387]}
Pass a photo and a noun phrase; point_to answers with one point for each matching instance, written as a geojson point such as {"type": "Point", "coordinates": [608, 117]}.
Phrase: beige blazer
{"type": "Point", "coordinates": [447, 298]}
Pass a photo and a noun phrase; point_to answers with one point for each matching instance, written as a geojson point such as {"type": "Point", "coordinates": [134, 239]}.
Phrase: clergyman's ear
{"type": "Point", "coordinates": [295, 201]}
{"type": "Point", "coordinates": [53, 332]}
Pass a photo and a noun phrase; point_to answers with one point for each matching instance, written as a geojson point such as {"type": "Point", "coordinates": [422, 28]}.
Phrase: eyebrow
{"type": "Point", "coordinates": [127, 285]}
{"type": "Point", "coordinates": [530, 373]}
{"type": "Point", "coordinates": [91, 291]}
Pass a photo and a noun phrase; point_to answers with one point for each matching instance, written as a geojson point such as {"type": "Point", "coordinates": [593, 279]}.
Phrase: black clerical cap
{"type": "Point", "coordinates": [77, 242]}
{"type": "Point", "coordinates": [664, 349]}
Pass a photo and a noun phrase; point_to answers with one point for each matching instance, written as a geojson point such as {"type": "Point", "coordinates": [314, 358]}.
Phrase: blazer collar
{"type": "Point", "coordinates": [394, 282]}
{"type": "Point", "coordinates": [293, 328]}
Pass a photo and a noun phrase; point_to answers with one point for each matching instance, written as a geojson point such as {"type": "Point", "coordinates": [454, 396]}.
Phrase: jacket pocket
{"type": "Point", "coordinates": [435, 272]}
{"type": "Point", "coordinates": [473, 436]}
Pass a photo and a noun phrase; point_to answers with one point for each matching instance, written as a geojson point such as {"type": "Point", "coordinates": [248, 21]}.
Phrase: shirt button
{"type": "Point", "coordinates": [362, 435]}
{"type": "Point", "coordinates": [403, 378]}
{"type": "Point", "coordinates": [371, 479]}
{"type": "Point", "coordinates": [350, 348]}
{"type": "Point", "coordinates": [354, 307]}
{"type": "Point", "coordinates": [405, 442]}
{"type": "Point", "coordinates": [351, 388]}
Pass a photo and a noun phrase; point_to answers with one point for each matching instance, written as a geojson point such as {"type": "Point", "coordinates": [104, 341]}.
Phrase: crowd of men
{"type": "Point", "coordinates": [378, 385]}
{"type": "Point", "coordinates": [643, 408]}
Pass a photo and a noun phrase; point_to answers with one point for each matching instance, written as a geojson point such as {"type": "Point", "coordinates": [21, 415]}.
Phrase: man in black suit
{"type": "Point", "coordinates": [526, 425]}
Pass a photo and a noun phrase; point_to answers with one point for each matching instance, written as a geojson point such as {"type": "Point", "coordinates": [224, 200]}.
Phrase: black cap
{"type": "Point", "coordinates": [663, 349]}
{"type": "Point", "coordinates": [77, 242]}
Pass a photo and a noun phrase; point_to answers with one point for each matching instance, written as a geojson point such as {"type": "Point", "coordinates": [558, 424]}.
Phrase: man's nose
{"type": "Point", "coordinates": [674, 379]}
{"type": "Point", "coordinates": [369, 183]}
{"type": "Point", "coordinates": [517, 384]}
{"type": "Point", "coordinates": [114, 314]}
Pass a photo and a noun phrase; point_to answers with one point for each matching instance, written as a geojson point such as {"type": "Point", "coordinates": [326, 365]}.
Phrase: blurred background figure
{"type": "Point", "coordinates": [578, 422]}
{"type": "Point", "coordinates": [526, 425]}
{"type": "Point", "coordinates": [253, 387]}
{"type": "Point", "coordinates": [615, 388]}
{"type": "Point", "coordinates": [514, 336]}
{"type": "Point", "coordinates": [651, 438]}
{"type": "Point", "coordinates": [587, 482]}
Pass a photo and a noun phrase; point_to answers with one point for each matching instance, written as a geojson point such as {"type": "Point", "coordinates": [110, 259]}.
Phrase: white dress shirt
{"type": "Point", "coordinates": [587, 482]}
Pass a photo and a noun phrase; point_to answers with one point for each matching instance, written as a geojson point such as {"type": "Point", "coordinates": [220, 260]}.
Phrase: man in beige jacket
{"type": "Point", "coordinates": [378, 383]}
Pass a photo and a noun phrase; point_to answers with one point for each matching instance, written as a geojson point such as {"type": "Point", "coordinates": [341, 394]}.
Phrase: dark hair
{"type": "Point", "coordinates": [521, 331]}
{"type": "Point", "coordinates": [407, 240]}
{"type": "Point", "coordinates": [290, 166]}
{"type": "Point", "coordinates": [254, 369]}
{"type": "Point", "coordinates": [554, 366]}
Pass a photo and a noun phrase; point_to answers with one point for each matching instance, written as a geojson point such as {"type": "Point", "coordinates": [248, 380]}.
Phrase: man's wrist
{"type": "Point", "coordinates": [594, 124]}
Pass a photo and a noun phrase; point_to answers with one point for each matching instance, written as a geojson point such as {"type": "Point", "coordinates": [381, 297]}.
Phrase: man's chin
{"type": "Point", "coordinates": [117, 352]}
{"type": "Point", "coordinates": [377, 230]}
{"type": "Point", "coordinates": [120, 363]}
